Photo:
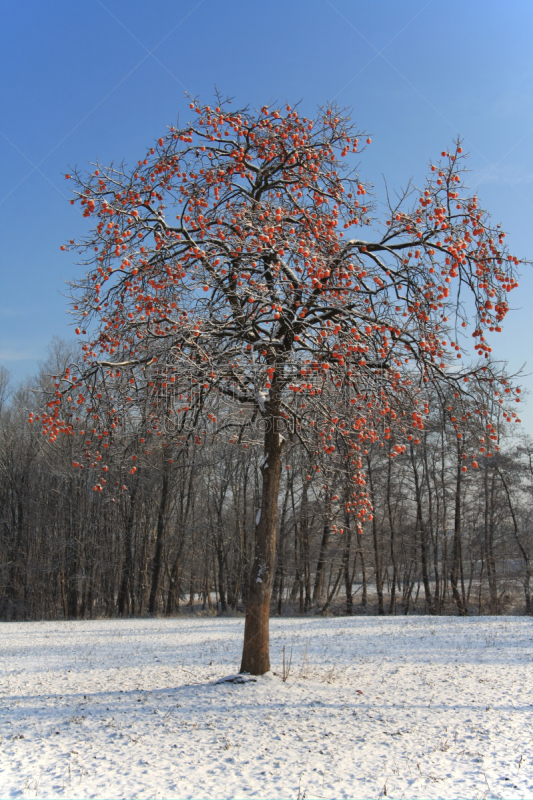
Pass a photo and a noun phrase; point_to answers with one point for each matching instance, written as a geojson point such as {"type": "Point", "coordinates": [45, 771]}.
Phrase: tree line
{"type": "Point", "coordinates": [180, 537]}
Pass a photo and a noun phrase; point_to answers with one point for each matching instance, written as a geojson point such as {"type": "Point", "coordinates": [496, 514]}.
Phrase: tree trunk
{"type": "Point", "coordinates": [221, 569]}
{"type": "Point", "coordinates": [433, 533]}
{"type": "Point", "coordinates": [392, 603]}
{"type": "Point", "coordinates": [423, 536]}
{"type": "Point", "coordinates": [173, 593]}
{"type": "Point", "coordinates": [158, 556]}
{"type": "Point", "coordinates": [489, 542]}
{"type": "Point", "coordinates": [360, 553]}
{"type": "Point", "coordinates": [523, 551]}
{"type": "Point", "coordinates": [319, 574]}
{"type": "Point", "coordinates": [444, 517]}
{"type": "Point", "coordinates": [127, 566]}
{"type": "Point", "coordinates": [305, 557]}
{"type": "Point", "coordinates": [377, 555]}
{"type": "Point", "coordinates": [279, 581]}
{"type": "Point", "coordinates": [333, 592]}
{"type": "Point", "coordinates": [457, 558]}
{"type": "Point", "coordinates": [348, 577]}
{"type": "Point", "coordinates": [255, 654]}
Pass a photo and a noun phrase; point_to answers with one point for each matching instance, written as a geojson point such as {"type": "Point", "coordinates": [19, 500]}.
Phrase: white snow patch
{"type": "Point", "coordinates": [240, 677]}
{"type": "Point", "coordinates": [260, 572]}
{"type": "Point", "coordinates": [261, 397]}
{"type": "Point", "coordinates": [416, 707]}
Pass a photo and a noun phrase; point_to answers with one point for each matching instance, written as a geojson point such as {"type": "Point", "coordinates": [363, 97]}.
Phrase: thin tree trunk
{"type": "Point", "coordinates": [333, 592]}
{"type": "Point", "coordinates": [221, 568]}
{"type": "Point", "coordinates": [158, 555]}
{"type": "Point", "coordinates": [423, 536]}
{"type": "Point", "coordinates": [348, 577]}
{"type": "Point", "coordinates": [319, 575]}
{"type": "Point", "coordinates": [494, 590]}
{"type": "Point", "coordinates": [444, 525]}
{"type": "Point", "coordinates": [377, 555]}
{"type": "Point", "coordinates": [360, 553]}
{"type": "Point", "coordinates": [392, 602]}
{"type": "Point", "coordinates": [280, 562]}
{"type": "Point", "coordinates": [523, 552]}
{"type": "Point", "coordinates": [127, 566]}
{"type": "Point", "coordinates": [305, 551]}
{"type": "Point", "coordinates": [457, 559]}
{"type": "Point", "coordinates": [433, 529]}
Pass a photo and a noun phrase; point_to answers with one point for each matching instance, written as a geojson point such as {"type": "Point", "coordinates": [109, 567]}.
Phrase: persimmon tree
{"type": "Point", "coordinates": [239, 281]}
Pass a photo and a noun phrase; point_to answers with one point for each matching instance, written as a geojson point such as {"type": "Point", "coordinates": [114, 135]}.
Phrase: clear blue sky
{"type": "Point", "coordinates": [82, 80]}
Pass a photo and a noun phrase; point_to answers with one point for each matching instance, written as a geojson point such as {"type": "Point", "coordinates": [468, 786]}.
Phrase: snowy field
{"type": "Point", "coordinates": [412, 707]}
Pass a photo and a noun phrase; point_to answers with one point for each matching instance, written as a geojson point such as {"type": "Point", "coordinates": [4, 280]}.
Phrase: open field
{"type": "Point", "coordinates": [412, 707]}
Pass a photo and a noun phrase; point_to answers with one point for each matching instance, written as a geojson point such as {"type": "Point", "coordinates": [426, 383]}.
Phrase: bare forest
{"type": "Point", "coordinates": [180, 539]}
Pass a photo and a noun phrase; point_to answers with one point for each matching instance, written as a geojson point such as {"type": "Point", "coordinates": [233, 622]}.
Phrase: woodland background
{"type": "Point", "coordinates": [179, 539]}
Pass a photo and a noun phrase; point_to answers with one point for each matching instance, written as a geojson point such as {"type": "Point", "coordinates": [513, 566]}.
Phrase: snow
{"type": "Point", "coordinates": [261, 397]}
{"type": "Point", "coordinates": [412, 707]}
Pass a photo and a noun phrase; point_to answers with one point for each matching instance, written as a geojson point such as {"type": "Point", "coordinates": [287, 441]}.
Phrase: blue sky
{"type": "Point", "coordinates": [102, 79]}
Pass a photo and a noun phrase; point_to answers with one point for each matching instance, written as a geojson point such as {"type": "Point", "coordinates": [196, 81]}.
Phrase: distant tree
{"type": "Point", "coordinates": [229, 276]}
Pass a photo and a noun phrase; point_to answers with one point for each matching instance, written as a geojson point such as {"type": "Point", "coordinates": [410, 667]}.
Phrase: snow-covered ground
{"type": "Point", "coordinates": [412, 707]}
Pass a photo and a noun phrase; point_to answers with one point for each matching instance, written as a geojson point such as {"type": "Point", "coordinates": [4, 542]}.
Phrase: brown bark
{"type": "Point", "coordinates": [126, 582]}
{"type": "Point", "coordinates": [348, 576]}
{"type": "Point", "coordinates": [432, 528]}
{"type": "Point", "coordinates": [423, 535]}
{"type": "Point", "coordinates": [457, 557]}
{"type": "Point", "coordinates": [377, 555]}
{"type": "Point", "coordinates": [321, 564]}
{"type": "Point", "coordinates": [523, 551]}
{"type": "Point", "coordinates": [255, 654]}
{"type": "Point", "coordinates": [360, 553]}
{"type": "Point", "coordinates": [158, 555]}
{"type": "Point", "coordinates": [392, 604]}
{"type": "Point", "coordinates": [333, 592]}
{"type": "Point", "coordinates": [279, 581]}
{"type": "Point", "coordinates": [305, 556]}
{"type": "Point", "coordinates": [489, 541]}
